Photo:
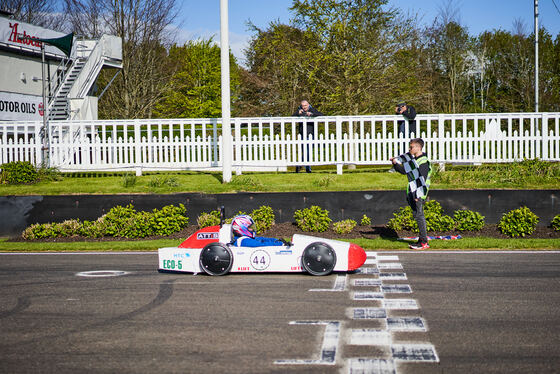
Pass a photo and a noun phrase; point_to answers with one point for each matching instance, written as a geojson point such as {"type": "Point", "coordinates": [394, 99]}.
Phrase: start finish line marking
{"type": "Point", "coordinates": [328, 348]}
{"type": "Point", "coordinates": [102, 273]}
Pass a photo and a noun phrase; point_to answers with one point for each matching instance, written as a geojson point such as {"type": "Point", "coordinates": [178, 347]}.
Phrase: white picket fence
{"type": "Point", "coordinates": [273, 143]}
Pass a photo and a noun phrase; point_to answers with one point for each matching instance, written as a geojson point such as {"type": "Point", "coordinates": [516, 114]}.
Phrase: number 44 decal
{"type": "Point", "coordinates": [260, 259]}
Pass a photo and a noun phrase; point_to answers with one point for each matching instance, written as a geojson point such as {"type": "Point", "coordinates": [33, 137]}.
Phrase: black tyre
{"type": "Point", "coordinates": [216, 259]}
{"type": "Point", "coordinates": [318, 258]}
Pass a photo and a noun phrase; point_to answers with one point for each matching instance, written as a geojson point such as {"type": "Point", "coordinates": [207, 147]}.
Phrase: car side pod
{"type": "Point", "coordinates": [356, 257]}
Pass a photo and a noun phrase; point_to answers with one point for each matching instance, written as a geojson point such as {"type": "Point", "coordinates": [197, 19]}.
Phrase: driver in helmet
{"type": "Point", "coordinates": [245, 236]}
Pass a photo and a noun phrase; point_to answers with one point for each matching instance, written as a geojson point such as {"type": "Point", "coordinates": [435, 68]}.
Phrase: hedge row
{"type": "Point", "coordinates": [126, 222]}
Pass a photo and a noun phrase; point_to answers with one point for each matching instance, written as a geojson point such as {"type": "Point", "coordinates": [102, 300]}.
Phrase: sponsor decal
{"type": "Point", "coordinates": [16, 37]}
{"type": "Point", "coordinates": [284, 252]}
{"type": "Point", "coordinates": [181, 255]}
{"type": "Point", "coordinates": [20, 107]}
{"type": "Point", "coordinates": [243, 268]}
{"type": "Point", "coordinates": [207, 235]}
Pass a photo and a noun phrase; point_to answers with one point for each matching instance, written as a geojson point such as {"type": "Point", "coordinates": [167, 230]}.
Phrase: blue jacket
{"type": "Point", "coordinates": [245, 241]}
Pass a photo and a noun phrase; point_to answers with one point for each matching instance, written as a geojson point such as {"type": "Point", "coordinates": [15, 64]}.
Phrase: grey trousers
{"type": "Point", "coordinates": [418, 214]}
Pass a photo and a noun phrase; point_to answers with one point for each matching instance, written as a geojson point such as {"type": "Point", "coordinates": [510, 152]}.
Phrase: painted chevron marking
{"type": "Point", "coordinates": [370, 337]}
{"type": "Point", "coordinates": [367, 282]}
{"type": "Point", "coordinates": [405, 324]}
{"type": "Point", "coordinates": [392, 276]}
{"type": "Point", "coordinates": [387, 258]}
{"type": "Point", "coordinates": [396, 288]}
{"type": "Point", "coordinates": [403, 304]}
{"type": "Point", "coordinates": [389, 265]}
{"type": "Point", "coordinates": [414, 352]}
{"type": "Point", "coordinates": [371, 366]}
{"type": "Point", "coordinates": [368, 295]}
{"type": "Point", "coordinates": [367, 271]}
{"type": "Point", "coordinates": [368, 313]}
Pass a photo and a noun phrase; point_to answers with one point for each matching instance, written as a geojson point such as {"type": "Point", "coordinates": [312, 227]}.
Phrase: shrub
{"type": "Point", "coordinates": [117, 220]}
{"type": "Point", "coordinates": [263, 217]}
{"type": "Point", "coordinates": [518, 222]}
{"type": "Point", "coordinates": [467, 220]}
{"type": "Point", "coordinates": [18, 172]}
{"type": "Point", "coordinates": [312, 219]}
{"type": "Point", "coordinates": [435, 219]}
{"type": "Point", "coordinates": [49, 174]}
{"type": "Point", "coordinates": [208, 219]}
{"type": "Point", "coordinates": [344, 227]}
{"type": "Point", "coordinates": [366, 221]}
{"type": "Point", "coordinates": [93, 229]}
{"type": "Point", "coordinates": [128, 180]}
{"type": "Point", "coordinates": [42, 231]}
{"type": "Point", "coordinates": [556, 223]}
{"type": "Point", "coordinates": [168, 220]}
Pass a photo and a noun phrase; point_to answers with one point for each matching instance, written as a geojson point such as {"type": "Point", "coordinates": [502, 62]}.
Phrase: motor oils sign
{"type": "Point", "coordinates": [18, 107]}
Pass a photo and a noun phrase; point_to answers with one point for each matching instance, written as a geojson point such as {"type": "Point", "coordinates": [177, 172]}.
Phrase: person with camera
{"type": "Point", "coordinates": [409, 113]}
{"type": "Point", "coordinates": [306, 110]}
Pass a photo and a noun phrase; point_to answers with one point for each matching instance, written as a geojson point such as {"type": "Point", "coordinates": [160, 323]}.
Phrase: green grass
{"type": "Point", "coordinates": [322, 179]}
{"type": "Point", "coordinates": [132, 245]}
{"type": "Point", "coordinates": [367, 244]}
{"type": "Point", "coordinates": [480, 243]}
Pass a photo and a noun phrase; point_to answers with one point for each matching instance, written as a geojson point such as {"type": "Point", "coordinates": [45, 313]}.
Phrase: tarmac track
{"type": "Point", "coordinates": [461, 313]}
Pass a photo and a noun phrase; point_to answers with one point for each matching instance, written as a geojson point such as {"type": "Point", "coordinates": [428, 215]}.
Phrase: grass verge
{"type": "Point", "coordinates": [367, 244]}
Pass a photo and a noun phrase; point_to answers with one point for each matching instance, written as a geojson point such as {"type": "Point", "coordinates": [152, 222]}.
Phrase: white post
{"type": "Point", "coordinates": [46, 135]}
{"type": "Point", "coordinates": [536, 56]}
{"type": "Point", "coordinates": [226, 124]}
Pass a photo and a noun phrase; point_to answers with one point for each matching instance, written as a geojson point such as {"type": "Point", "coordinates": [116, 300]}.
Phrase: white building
{"type": "Point", "coordinates": [70, 78]}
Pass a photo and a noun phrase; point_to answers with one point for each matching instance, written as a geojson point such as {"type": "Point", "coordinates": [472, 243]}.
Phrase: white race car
{"type": "Point", "coordinates": [208, 250]}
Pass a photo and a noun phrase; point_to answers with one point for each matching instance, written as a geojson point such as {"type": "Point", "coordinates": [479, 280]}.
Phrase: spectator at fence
{"type": "Point", "coordinates": [408, 112]}
{"type": "Point", "coordinates": [306, 110]}
{"type": "Point", "coordinates": [417, 167]}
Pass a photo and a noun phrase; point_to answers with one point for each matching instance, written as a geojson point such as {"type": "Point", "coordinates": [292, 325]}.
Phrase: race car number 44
{"type": "Point", "coordinates": [172, 264]}
{"type": "Point", "coordinates": [260, 260]}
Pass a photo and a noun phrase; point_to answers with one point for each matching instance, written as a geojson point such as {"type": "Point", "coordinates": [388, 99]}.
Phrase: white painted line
{"type": "Point", "coordinates": [402, 304]}
{"type": "Point", "coordinates": [370, 261]}
{"type": "Point", "coordinates": [389, 265]}
{"type": "Point", "coordinates": [328, 348]}
{"type": "Point", "coordinates": [405, 324]}
{"type": "Point", "coordinates": [368, 313]}
{"type": "Point", "coordinates": [396, 288]}
{"type": "Point", "coordinates": [339, 285]}
{"type": "Point", "coordinates": [102, 273]}
{"type": "Point", "coordinates": [371, 366]}
{"type": "Point", "coordinates": [366, 282]}
{"type": "Point", "coordinates": [387, 258]}
{"type": "Point", "coordinates": [370, 337]}
{"type": "Point", "coordinates": [392, 276]}
{"type": "Point", "coordinates": [367, 271]}
{"type": "Point", "coordinates": [371, 254]}
{"type": "Point", "coordinates": [414, 352]}
{"type": "Point", "coordinates": [368, 295]}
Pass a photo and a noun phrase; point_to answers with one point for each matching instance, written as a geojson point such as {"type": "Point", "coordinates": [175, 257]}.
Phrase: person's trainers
{"type": "Point", "coordinates": [419, 246]}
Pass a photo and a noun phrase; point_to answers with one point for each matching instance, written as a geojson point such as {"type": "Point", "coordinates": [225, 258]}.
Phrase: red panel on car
{"type": "Point", "coordinates": [202, 237]}
{"type": "Point", "coordinates": [356, 256]}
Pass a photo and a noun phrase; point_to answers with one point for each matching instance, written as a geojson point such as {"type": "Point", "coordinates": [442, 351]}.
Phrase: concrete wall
{"type": "Point", "coordinates": [18, 212]}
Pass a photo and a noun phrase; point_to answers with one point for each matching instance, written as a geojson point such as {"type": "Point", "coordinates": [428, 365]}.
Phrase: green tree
{"type": "Point", "coordinates": [194, 91]}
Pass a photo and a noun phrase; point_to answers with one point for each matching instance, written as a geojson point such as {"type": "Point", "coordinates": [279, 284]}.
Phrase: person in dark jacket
{"type": "Point", "coordinates": [417, 167]}
{"type": "Point", "coordinates": [409, 113]}
{"type": "Point", "coordinates": [306, 110]}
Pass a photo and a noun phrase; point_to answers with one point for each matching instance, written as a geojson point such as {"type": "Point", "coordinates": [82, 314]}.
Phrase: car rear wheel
{"type": "Point", "coordinates": [318, 258]}
{"type": "Point", "coordinates": [216, 259]}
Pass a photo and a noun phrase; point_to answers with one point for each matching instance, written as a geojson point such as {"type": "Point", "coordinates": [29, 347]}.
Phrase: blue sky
{"type": "Point", "coordinates": [201, 18]}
